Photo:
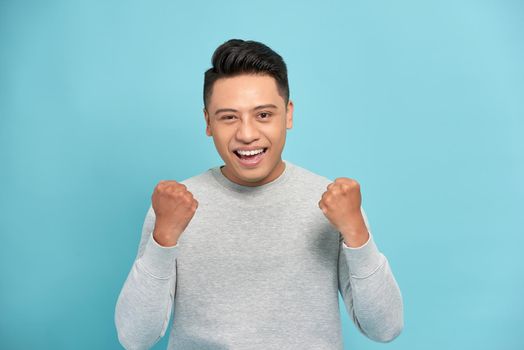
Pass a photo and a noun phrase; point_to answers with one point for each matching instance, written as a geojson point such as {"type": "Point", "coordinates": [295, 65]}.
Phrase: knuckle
{"type": "Point", "coordinates": [174, 193]}
{"type": "Point", "coordinates": [347, 183]}
{"type": "Point", "coordinates": [163, 183]}
{"type": "Point", "coordinates": [354, 185]}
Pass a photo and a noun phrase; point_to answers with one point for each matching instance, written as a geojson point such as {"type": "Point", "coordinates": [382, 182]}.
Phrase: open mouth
{"type": "Point", "coordinates": [247, 155]}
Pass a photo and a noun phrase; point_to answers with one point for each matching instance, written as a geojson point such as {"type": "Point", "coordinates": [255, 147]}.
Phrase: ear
{"type": "Point", "coordinates": [289, 115]}
{"type": "Point", "coordinates": [208, 127]}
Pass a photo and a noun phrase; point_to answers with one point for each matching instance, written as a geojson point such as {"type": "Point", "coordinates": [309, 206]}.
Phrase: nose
{"type": "Point", "coordinates": [247, 132]}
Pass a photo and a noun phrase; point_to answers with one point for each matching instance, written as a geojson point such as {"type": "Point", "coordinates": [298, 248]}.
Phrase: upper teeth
{"type": "Point", "coordinates": [250, 153]}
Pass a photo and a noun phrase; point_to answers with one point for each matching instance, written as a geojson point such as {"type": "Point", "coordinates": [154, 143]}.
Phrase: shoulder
{"type": "Point", "coordinates": [201, 181]}
{"type": "Point", "coordinates": [308, 179]}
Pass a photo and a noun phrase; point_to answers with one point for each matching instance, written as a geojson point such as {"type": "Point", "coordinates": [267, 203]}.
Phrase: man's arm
{"type": "Point", "coordinates": [145, 302]}
{"type": "Point", "coordinates": [369, 290]}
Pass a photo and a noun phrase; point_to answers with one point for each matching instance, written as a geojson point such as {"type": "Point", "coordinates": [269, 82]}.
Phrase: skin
{"type": "Point", "coordinates": [247, 111]}
{"type": "Point", "coordinates": [247, 126]}
{"type": "Point", "coordinates": [341, 205]}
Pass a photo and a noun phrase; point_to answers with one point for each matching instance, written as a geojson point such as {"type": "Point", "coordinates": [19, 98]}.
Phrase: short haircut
{"type": "Point", "coordinates": [236, 57]}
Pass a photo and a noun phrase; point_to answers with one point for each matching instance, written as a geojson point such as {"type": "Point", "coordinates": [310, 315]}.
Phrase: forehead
{"type": "Point", "coordinates": [244, 91]}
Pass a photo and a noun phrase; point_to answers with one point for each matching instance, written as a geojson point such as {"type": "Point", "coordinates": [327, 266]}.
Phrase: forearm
{"type": "Point", "coordinates": [356, 233]}
{"type": "Point", "coordinates": [144, 305]}
{"type": "Point", "coordinates": [377, 306]}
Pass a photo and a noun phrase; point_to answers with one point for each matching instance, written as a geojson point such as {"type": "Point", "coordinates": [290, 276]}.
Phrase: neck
{"type": "Point", "coordinates": [273, 174]}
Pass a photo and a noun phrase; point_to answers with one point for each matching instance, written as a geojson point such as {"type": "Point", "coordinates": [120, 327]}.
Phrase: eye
{"type": "Point", "coordinates": [264, 115]}
{"type": "Point", "coordinates": [227, 117]}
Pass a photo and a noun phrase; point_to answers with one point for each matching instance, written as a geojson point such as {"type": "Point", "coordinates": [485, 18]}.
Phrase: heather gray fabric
{"type": "Point", "coordinates": [256, 268]}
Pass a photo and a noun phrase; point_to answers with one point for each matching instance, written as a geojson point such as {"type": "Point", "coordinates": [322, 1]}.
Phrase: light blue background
{"type": "Point", "coordinates": [421, 101]}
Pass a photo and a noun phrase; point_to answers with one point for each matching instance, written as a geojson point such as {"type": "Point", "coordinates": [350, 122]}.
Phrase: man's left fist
{"type": "Point", "coordinates": [341, 206]}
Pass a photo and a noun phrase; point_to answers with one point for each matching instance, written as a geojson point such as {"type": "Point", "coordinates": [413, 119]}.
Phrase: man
{"type": "Point", "coordinates": [253, 254]}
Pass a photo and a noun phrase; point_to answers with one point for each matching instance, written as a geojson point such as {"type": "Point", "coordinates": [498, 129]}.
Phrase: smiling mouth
{"type": "Point", "coordinates": [250, 154]}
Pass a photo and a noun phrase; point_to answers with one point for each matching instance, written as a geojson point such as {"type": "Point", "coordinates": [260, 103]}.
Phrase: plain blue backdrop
{"type": "Point", "coordinates": [421, 101]}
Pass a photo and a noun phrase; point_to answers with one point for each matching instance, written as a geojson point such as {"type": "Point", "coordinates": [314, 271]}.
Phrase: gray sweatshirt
{"type": "Point", "coordinates": [256, 268]}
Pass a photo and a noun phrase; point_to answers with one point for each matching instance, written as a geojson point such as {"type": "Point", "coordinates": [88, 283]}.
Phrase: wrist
{"type": "Point", "coordinates": [356, 234]}
{"type": "Point", "coordinates": [165, 238]}
{"type": "Point", "coordinates": [356, 240]}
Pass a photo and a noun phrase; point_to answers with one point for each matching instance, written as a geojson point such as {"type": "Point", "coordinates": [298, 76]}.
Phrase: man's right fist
{"type": "Point", "coordinates": [174, 208]}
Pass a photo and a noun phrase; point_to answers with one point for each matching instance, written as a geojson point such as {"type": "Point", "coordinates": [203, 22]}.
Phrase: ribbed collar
{"type": "Point", "coordinates": [252, 192]}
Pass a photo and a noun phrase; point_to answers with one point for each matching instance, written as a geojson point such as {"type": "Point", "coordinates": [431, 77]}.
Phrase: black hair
{"type": "Point", "coordinates": [236, 56]}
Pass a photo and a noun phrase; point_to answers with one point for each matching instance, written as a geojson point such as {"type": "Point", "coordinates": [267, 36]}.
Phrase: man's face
{"type": "Point", "coordinates": [246, 114]}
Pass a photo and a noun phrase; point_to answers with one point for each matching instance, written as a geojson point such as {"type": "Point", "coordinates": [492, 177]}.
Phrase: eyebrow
{"type": "Point", "coordinates": [269, 105]}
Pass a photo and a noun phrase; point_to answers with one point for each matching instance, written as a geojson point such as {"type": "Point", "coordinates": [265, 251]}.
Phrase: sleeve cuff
{"type": "Point", "coordinates": [157, 260]}
{"type": "Point", "coordinates": [363, 261]}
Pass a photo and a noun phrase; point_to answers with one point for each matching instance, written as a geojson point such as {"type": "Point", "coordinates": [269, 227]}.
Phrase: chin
{"type": "Point", "coordinates": [252, 176]}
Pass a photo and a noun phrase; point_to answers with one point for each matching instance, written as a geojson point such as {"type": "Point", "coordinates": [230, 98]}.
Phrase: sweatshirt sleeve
{"type": "Point", "coordinates": [143, 308]}
{"type": "Point", "coordinates": [369, 290]}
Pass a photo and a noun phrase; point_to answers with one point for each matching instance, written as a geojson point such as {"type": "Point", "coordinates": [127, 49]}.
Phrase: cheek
{"type": "Point", "coordinates": [277, 135]}
{"type": "Point", "coordinates": [222, 140]}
